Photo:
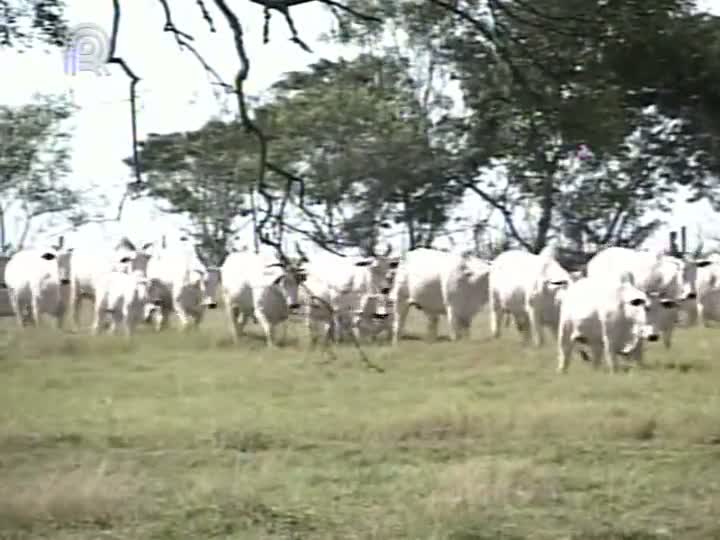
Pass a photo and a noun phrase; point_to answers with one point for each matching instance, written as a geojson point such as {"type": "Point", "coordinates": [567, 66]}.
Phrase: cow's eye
{"type": "Point", "coordinates": [637, 302]}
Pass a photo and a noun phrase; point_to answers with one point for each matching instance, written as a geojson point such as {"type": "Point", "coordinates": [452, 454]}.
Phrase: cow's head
{"type": "Point", "coordinates": [59, 260]}
{"type": "Point", "coordinates": [381, 270]}
{"type": "Point", "coordinates": [212, 288]}
{"type": "Point", "coordinates": [554, 277]}
{"type": "Point", "coordinates": [287, 277]}
{"type": "Point", "coordinates": [637, 308]}
{"type": "Point", "coordinates": [662, 310]}
{"type": "Point", "coordinates": [129, 258]}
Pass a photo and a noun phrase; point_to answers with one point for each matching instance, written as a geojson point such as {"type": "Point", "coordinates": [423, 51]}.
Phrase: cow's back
{"type": "Point", "coordinates": [420, 276]}
{"type": "Point", "coordinates": [513, 274]}
{"type": "Point", "coordinates": [240, 274]}
{"type": "Point", "coordinates": [466, 285]}
{"type": "Point", "coordinates": [27, 270]}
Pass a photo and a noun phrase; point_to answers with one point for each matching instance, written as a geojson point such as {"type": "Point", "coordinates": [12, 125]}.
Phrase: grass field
{"type": "Point", "coordinates": [190, 437]}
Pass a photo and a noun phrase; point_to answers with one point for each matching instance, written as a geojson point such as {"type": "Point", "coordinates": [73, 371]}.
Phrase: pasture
{"type": "Point", "coordinates": [188, 436]}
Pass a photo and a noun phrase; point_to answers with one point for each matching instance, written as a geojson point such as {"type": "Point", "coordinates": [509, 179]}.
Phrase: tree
{"type": "Point", "coordinates": [562, 72]}
{"type": "Point", "coordinates": [538, 80]}
{"type": "Point", "coordinates": [34, 166]}
{"type": "Point", "coordinates": [198, 174]}
{"type": "Point", "coordinates": [358, 132]}
{"type": "Point", "coordinates": [24, 22]}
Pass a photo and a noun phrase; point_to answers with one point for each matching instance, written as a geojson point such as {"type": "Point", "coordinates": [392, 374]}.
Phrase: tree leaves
{"type": "Point", "coordinates": [34, 161]}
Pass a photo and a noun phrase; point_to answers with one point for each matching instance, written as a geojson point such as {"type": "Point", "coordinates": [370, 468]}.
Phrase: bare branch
{"type": "Point", "coordinates": [351, 11]}
{"type": "Point", "coordinates": [206, 15]}
{"type": "Point", "coordinates": [504, 210]}
{"type": "Point", "coordinates": [293, 30]}
{"type": "Point", "coordinates": [182, 39]}
{"type": "Point", "coordinates": [170, 26]}
{"type": "Point", "coordinates": [134, 79]}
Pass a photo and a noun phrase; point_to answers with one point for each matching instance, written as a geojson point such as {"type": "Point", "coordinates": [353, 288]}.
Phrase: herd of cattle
{"type": "Point", "coordinates": [622, 298]}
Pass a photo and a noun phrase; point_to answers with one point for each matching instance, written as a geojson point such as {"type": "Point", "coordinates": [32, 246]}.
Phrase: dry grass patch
{"type": "Point", "coordinates": [85, 495]}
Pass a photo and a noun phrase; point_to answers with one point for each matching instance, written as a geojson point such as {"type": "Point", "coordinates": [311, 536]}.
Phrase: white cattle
{"type": "Point", "coordinates": [527, 287]}
{"type": "Point", "coordinates": [258, 285]}
{"type": "Point", "coordinates": [90, 265]}
{"type": "Point", "coordinates": [335, 286]}
{"type": "Point", "coordinates": [123, 296]}
{"type": "Point", "coordinates": [37, 282]}
{"type": "Point", "coordinates": [440, 283]}
{"type": "Point", "coordinates": [610, 317]}
{"type": "Point", "coordinates": [706, 307]}
{"type": "Point", "coordinates": [667, 280]}
{"type": "Point", "coordinates": [180, 283]}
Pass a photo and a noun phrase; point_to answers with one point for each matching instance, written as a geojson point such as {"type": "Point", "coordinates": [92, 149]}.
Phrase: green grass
{"type": "Point", "coordinates": [190, 437]}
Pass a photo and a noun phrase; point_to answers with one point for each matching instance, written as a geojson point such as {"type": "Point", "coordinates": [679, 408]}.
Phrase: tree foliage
{"type": "Point", "coordinates": [34, 165]}
{"type": "Point", "coordinates": [198, 174]}
{"type": "Point", "coordinates": [357, 146]}
{"type": "Point", "coordinates": [358, 132]}
{"type": "Point", "coordinates": [25, 22]}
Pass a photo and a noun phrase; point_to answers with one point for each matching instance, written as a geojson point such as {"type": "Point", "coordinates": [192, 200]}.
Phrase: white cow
{"type": "Point", "coordinates": [667, 280]}
{"type": "Point", "coordinates": [610, 317]}
{"type": "Point", "coordinates": [706, 307]}
{"type": "Point", "coordinates": [527, 287]}
{"type": "Point", "coordinates": [440, 283]}
{"type": "Point", "coordinates": [180, 283]}
{"type": "Point", "coordinates": [335, 286]}
{"type": "Point", "coordinates": [258, 285]}
{"type": "Point", "coordinates": [123, 296]}
{"type": "Point", "coordinates": [37, 282]}
{"type": "Point", "coordinates": [90, 265]}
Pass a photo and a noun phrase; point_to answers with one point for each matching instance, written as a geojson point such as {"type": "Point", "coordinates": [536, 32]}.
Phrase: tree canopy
{"type": "Point", "coordinates": [347, 150]}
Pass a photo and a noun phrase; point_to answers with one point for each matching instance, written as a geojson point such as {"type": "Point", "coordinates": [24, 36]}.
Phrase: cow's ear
{"type": "Point", "coordinates": [48, 256]}
{"type": "Point", "coordinates": [125, 243]}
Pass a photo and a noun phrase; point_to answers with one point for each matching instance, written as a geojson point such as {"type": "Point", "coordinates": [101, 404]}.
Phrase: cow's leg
{"type": "Point", "coordinates": [667, 337]}
{"type": "Point", "coordinates": [524, 326]}
{"type": "Point", "coordinates": [608, 351]}
{"type": "Point", "coordinates": [34, 310]}
{"type": "Point", "coordinates": [162, 322]}
{"type": "Point", "coordinates": [75, 307]}
{"type": "Point", "coordinates": [182, 315]}
{"type": "Point", "coordinates": [496, 315]}
{"type": "Point", "coordinates": [126, 324]}
{"type": "Point", "coordinates": [699, 313]}
{"type": "Point", "coordinates": [199, 316]}
{"type": "Point", "coordinates": [15, 305]}
{"type": "Point", "coordinates": [97, 319]}
{"type": "Point", "coordinates": [399, 317]}
{"type": "Point", "coordinates": [565, 346]}
{"type": "Point", "coordinates": [453, 324]}
{"type": "Point", "coordinates": [267, 327]}
{"type": "Point", "coordinates": [115, 321]}
{"type": "Point", "coordinates": [533, 315]}
{"type": "Point", "coordinates": [232, 313]}
{"type": "Point", "coordinates": [311, 326]}
{"type": "Point", "coordinates": [432, 326]}
{"type": "Point", "coordinates": [596, 350]}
